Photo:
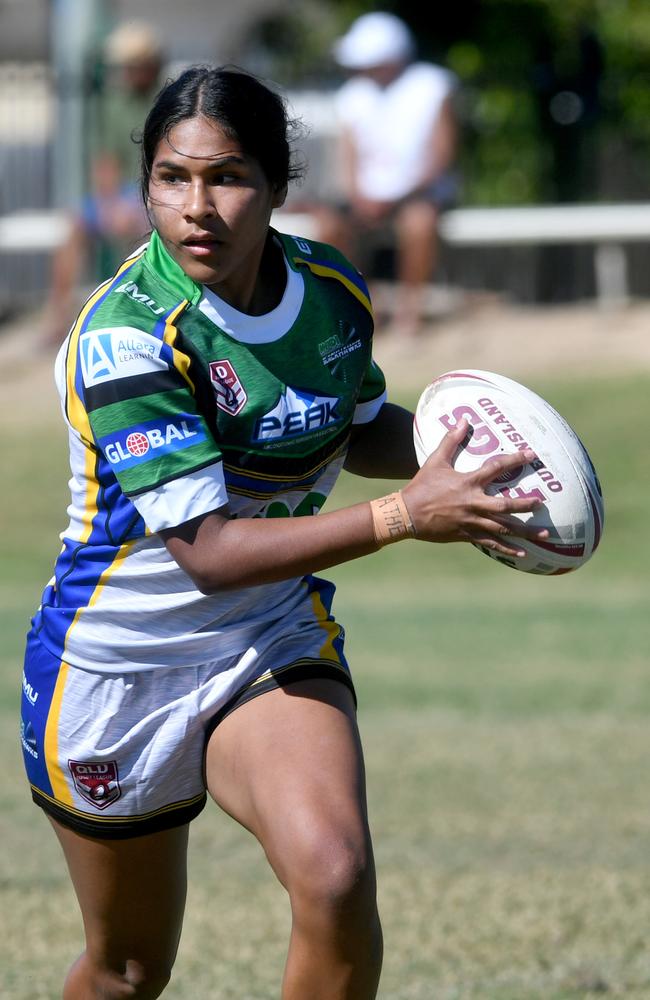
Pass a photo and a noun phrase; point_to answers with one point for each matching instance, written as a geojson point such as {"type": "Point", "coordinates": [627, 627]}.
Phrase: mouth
{"type": "Point", "coordinates": [201, 245]}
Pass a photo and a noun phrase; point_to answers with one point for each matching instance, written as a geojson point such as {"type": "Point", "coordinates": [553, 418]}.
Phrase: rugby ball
{"type": "Point", "coordinates": [507, 417]}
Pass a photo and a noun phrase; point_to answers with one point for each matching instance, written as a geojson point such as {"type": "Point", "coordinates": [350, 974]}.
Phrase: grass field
{"type": "Point", "coordinates": [505, 726]}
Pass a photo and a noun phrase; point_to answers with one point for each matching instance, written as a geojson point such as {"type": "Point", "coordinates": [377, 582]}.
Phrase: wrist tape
{"type": "Point", "coordinates": [390, 519]}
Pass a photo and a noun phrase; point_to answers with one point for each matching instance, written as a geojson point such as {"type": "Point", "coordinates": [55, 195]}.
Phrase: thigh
{"type": "Point", "coordinates": [288, 766]}
{"type": "Point", "coordinates": [131, 893]}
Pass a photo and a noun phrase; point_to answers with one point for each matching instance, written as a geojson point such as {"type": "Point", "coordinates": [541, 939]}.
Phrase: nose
{"type": "Point", "coordinates": [199, 203]}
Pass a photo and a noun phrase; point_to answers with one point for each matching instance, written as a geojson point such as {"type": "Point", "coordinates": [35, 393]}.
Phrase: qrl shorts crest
{"type": "Point", "coordinates": [120, 755]}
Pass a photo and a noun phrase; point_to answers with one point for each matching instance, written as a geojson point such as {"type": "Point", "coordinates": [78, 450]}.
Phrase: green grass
{"type": "Point", "coordinates": [504, 720]}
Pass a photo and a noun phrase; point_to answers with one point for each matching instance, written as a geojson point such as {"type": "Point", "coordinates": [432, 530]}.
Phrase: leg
{"type": "Point", "coordinates": [416, 226]}
{"type": "Point", "coordinates": [132, 898]}
{"type": "Point", "coordinates": [288, 767]}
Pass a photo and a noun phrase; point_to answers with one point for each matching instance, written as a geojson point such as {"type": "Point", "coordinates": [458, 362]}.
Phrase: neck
{"type": "Point", "coordinates": [271, 280]}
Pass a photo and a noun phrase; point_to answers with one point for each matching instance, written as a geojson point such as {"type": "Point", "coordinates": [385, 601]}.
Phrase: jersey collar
{"type": "Point", "coordinates": [165, 267]}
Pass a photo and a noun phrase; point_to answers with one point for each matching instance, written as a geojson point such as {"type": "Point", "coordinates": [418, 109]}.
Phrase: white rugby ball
{"type": "Point", "coordinates": [507, 417]}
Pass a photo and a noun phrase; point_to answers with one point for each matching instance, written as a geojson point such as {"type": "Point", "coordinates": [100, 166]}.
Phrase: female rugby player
{"type": "Point", "coordinates": [213, 390]}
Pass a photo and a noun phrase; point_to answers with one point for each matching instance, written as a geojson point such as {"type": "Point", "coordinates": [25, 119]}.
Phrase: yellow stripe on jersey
{"type": "Point", "coordinates": [74, 407]}
{"type": "Point", "coordinates": [181, 360]}
{"type": "Point", "coordinates": [58, 777]}
{"type": "Point", "coordinates": [324, 271]}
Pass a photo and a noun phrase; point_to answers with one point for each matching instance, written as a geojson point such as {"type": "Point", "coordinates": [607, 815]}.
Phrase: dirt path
{"type": "Point", "coordinates": [479, 333]}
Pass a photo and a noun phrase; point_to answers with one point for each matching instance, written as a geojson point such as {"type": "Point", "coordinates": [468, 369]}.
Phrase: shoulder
{"type": "Point", "coordinates": [354, 97]}
{"type": "Point", "coordinates": [121, 330]}
{"type": "Point", "coordinates": [326, 262]}
{"type": "Point", "coordinates": [429, 76]}
{"type": "Point", "coordinates": [301, 250]}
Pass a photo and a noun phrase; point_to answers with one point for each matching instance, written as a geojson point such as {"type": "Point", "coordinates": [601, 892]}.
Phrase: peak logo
{"type": "Point", "coordinates": [296, 412]}
{"type": "Point", "coordinates": [152, 440]}
{"type": "Point", "coordinates": [117, 353]}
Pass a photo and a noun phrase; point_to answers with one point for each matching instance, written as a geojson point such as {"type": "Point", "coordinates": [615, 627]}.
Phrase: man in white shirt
{"type": "Point", "coordinates": [398, 137]}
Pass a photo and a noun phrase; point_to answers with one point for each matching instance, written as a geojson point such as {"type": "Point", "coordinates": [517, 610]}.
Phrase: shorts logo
{"type": "Point", "coordinates": [296, 412]}
{"type": "Point", "coordinates": [229, 392]}
{"type": "Point", "coordinates": [28, 739]}
{"type": "Point", "coordinates": [98, 784]}
{"type": "Point", "coordinates": [117, 353]}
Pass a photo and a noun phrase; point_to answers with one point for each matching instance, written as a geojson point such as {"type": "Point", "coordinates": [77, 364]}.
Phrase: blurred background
{"type": "Point", "coordinates": [553, 105]}
{"type": "Point", "coordinates": [504, 717]}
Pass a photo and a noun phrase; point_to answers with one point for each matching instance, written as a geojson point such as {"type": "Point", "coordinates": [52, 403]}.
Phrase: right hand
{"type": "Point", "coordinates": [450, 506]}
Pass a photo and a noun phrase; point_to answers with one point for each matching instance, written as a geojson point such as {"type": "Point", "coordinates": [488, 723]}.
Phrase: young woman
{"type": "Point", "coordinates": [213, 390]}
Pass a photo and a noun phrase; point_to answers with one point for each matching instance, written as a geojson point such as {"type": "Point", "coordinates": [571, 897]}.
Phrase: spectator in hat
{"type": "Point", "coordinates": [111, 218]}
{"type": "Point", "coordinates": [398, 144]}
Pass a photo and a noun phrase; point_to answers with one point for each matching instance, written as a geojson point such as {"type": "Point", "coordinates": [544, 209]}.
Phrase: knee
{"type": "Point", "coordinates": [418, 220]}
{"type": "Point", "coordinates": [131, 980]}
{"type": "Point", "coordinates": [146, 981]}
{"type": "Point", "coordinates": [332, 871]}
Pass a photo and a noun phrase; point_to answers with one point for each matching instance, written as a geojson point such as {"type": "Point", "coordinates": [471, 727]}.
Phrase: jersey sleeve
{"type": "Point", "coordinates": [372, 395]}
{"type": "Point", "coordinates": [131, 397]}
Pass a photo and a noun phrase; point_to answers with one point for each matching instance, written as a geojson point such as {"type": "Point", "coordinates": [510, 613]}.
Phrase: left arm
{"type": "Point", "coordinates": [383, 448]}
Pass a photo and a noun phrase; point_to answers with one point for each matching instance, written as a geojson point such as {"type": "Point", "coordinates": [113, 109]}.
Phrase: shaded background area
{"type": "Point", "coordinates": [554, 106]}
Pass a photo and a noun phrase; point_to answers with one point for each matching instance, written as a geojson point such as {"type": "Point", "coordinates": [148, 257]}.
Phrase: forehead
{"type": "Point", "coordinates": [197, 138]}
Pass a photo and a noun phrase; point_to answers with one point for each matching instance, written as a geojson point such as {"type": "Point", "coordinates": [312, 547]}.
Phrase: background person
{"type": "Point", "coordinates": [398, 147]}
{"type": "Point", "coordinates": [184, 645]}
{"type": "Point", "coordinates": [111, 218]}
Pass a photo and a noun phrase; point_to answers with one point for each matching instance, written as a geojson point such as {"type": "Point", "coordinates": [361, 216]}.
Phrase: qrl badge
{"type": "Point", "coordinates": [230, 393]}
{"type": "Point", "coordinates": [98, 784]}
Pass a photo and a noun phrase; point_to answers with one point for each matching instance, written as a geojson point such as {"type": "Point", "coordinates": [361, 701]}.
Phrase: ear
{"type": "Point", "coordinates": [280, 196]}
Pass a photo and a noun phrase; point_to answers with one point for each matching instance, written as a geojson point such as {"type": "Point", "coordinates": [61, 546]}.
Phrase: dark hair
{"type": "Point", "coordinates": [244, 107]}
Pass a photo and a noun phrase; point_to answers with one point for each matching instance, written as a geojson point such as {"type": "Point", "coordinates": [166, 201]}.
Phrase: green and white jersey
{"type": "Point", "coordinates": [178, 404]}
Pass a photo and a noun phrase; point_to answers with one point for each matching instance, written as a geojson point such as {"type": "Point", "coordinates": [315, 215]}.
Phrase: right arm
{"type": "Point", "coordinates": [444, 506]}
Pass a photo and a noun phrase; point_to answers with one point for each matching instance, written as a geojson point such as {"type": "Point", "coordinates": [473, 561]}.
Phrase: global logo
{"type": "Point", "coordinates": [137, 444]}
{"type": "Point", "coordinates": [151, 440]}
{"type": "Point", "coordinates": [297, 412]}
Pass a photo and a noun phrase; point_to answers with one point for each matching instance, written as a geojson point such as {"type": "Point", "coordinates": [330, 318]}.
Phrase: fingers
{"type": "Point", "coordinates": [494, 467]}
{"type": "Point", "coordinates": [452, 441]}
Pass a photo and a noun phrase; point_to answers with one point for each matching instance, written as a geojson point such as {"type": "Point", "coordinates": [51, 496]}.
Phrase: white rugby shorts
{"type": "Point", "coordinates": [121, 755]}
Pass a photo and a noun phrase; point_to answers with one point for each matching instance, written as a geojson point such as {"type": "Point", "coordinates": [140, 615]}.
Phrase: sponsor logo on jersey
{"type": "Point", "coordinates": [28, 739]}
{"type": "Point", "coordinates": [332, 350]}
{"type": "Point", "coordinates": [96, 783]}
{"type": "Point", "coordinates": [302, 245]}
{"type": "Point", "coordinates": [229, 392]}
{"type": "Point", "coordinates": [117, 353]}
{"type": "Point", "coordinates": [131, 289]}
{"type": "Point", "coordinates": [296, 412]}
{"type": "Point", "coordinates": [151, 440]}
{"type": "Point", "coordinates": [29, 692]}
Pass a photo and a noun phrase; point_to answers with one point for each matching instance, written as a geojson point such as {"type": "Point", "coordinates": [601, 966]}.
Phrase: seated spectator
{"type": "Point", "coordinates": [398, 147]}
{"type": "Point", "coordinates": [111, 218]}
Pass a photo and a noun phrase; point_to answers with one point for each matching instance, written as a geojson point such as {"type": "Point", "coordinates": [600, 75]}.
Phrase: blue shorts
{"type": "Point", "coordinates": [122, 754]}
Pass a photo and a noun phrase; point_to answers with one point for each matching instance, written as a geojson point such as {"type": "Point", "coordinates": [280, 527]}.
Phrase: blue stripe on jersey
{"type": "Point", "coordinates": [116, 516]}
{"type": "Point", "coordinates": [40, 674]}
{"type": "Point", "coordinates": [239, 482]}
{"type": "Point", "coordinates": [78, 572]}
{"type": "Point", "coordinates": [352, 280]}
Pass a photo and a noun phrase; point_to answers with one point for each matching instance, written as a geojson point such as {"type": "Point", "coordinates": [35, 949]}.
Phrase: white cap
{"type": "Point", "coordinates": [132, 42]}
{"type": "Point", "coordinates": [373, 40]}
